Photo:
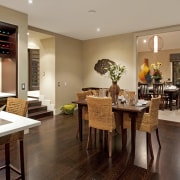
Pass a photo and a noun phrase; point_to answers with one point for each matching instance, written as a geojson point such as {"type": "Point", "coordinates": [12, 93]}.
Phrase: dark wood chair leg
{"type": "Point", "coordinates": [77, 134]}
{"type": "Point", "coordinates": [95, 137]}
{"type": "Point", "coordinates": [110, 143]}
{"type": "Point", "coordinates": [157, 134]}
{"type": "Point", "coordinates": [7, 160]}
{"type": "Point", "coordinates": [149, 144]}
{"type": "Point", "coordinates": [89, 138]}
{"type": "Point", "coordinates": [22, 159]}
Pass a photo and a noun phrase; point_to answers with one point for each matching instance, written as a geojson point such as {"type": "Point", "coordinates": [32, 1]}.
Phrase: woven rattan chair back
{"type": "Point", "coordinates": [82, 95]}
{"type": "Point", "coordinates": [101, 117]}
{"type": "Point", "coordinates": [147, 122]}
{"type": "Point", "coordinates": [17, 106]}
{"type": "Point", "coordinates": [154, 110]}
{"type": "Point", "coordinates": [100, 113]}
{"type": "Point", "coordinates": [121, 92]}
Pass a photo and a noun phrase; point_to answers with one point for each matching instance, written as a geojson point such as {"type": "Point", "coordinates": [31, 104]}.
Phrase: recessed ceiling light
{"type": "Point", "coordinates": [30, 1]}
{"type": "Point", "coordinates": [145, 41]}
{"type": "Point", "coordinates": [98, 29]}
{"type": "Point", "coordinates": [28, 33]}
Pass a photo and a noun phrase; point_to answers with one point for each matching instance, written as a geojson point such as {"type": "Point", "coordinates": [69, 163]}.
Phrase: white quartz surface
{"type": "Point", "coordinates": [16, 123]}
{"type": "Point", "coordinates": [3, 94]}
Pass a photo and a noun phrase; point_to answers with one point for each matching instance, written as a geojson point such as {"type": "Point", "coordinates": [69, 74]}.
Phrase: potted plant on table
{"type": "Point", "coordinates": [157, 74]}
{"type": "Point", "coordinates": [115, 72]}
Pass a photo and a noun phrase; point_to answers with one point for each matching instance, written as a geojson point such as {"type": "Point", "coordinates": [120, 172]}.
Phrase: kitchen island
{"type": "Point", "coordinates": [12, 129]}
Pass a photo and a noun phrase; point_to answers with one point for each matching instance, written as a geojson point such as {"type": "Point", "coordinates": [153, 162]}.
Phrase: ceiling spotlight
{"type": "Point", "coordinates": [98, 29]}
{"type": "Point", "coordinates": [145, 41]}
{"type": "Point", "coordinates": [30, 1]}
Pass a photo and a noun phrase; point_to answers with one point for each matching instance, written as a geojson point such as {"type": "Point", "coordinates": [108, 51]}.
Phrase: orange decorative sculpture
{"type": "Point", "coordinates": [144, 73]}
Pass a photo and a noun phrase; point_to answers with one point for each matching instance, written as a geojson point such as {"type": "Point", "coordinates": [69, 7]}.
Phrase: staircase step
{"type": "Point", "coordinates": [34, 103]}
{"type": "Point", "coordinates": [38, 111]}
{"type": "Point", "coordinates": [33, 109]}
{"type": "Point", "coordinates": [40, 114]}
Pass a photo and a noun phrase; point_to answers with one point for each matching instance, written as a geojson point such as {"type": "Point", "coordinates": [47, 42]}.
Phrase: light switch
{"type": "Point", "coordinates": [23, 86]}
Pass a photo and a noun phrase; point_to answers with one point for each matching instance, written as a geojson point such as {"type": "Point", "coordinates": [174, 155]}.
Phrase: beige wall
{"type": "Point", "coordinates": [47, 69]}
{"type": "Point", "coordinates": [21, 20]}
{"type": "Point", "coordinates": [60, 63]}
{"type": "Point", "coordinates": [117, 48]}
{"type": "Point", "coordinates": [68, 69]}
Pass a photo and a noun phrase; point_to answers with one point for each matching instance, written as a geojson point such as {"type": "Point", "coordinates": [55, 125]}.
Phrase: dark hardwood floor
{"type": "Point", "coordinates": [52, 152]}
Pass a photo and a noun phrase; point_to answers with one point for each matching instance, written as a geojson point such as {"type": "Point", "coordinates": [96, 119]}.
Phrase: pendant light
{"type": "Point", "coordinates": [155, 43]}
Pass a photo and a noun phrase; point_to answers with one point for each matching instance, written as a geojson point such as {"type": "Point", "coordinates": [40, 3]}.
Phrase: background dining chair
{"type": "Point", "coordinates": [158, 90]}
{"type": "Point", "coordinates": [175, 100]}
{"type": "Point", "coordinates": [146, 122]}
{"type": "Point", "coordinates": [82, 96]}
{"type": "Point", "coordinates": [101, 117]}
{"type": "Point", "coordinates": [143, 91]}
{"type": "Point", "coordinates": [19, 107]}
{"type": "Point", "coordinates": [130, 97]}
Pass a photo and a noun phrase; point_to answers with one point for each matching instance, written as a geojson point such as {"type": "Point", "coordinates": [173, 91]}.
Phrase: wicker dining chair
{"type": "Point", "coordinates": [146, 122]}
{"type": "Point", "coordinates": [101, 117]}
{"type": "Point", "coordinates": [82, 96]}
{"type": "Point", "coordinates": [19, 107]}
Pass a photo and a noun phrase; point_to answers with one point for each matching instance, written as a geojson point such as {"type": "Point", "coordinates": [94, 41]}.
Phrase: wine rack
{"type": "Point", "coordinates": [7, 40]}
{"type": "Point", "coordinates": [34, 66]}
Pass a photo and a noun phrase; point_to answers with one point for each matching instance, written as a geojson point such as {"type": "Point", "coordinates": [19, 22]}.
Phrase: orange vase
{"type": "Point", "coordinates": [144, 73]}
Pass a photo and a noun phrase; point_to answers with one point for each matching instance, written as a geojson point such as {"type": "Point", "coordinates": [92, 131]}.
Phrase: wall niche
{"type": "Point", "coordinates": [8, 56]}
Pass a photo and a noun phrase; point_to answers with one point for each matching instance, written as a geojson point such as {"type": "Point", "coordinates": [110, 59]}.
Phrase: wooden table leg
{"type": "Point", "coordinates": [170, 101]}
{"type": "Point", "coordinates": [119, 118]}
{"type": "Point", "coordinates": [80, 121]}
{"type": "Point", "coordinates": [133, 132]}
{"type": "Point", "coordinates": [7, 160]}
{"type": "Point", "coordinates": [21, 143]}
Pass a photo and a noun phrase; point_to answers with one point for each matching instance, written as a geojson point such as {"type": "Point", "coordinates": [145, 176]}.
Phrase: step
{"type": "Point", "coordinates": [40, 114]}
{"type": "Point", "coordinates": [38, 108]}
{"type": "Point", "coordinates": [34, 103]}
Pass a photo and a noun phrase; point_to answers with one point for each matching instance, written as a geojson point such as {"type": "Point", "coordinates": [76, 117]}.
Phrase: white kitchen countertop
{"type": "Point", "coordinates": [3, 94]}
{"type": "Point", "coordinates": [15, 123]}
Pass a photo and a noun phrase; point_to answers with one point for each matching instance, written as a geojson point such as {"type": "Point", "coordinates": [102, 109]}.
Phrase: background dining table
{"type": "Point", "coordinates": [171, 94]}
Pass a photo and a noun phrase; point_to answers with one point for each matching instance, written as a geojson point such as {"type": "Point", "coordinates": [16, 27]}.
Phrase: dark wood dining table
{"type": "Point", "coordinates": [171, 94]}
{"type": "Point", "coordinates": [119, 109]}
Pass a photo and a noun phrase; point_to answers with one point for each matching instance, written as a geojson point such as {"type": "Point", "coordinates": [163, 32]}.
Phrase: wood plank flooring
{"type": "Point", "coordinates": [52, 152]}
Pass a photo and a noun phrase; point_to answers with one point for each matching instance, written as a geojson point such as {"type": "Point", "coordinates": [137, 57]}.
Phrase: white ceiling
{"type": "Point", "coordinates": [71, 17]}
